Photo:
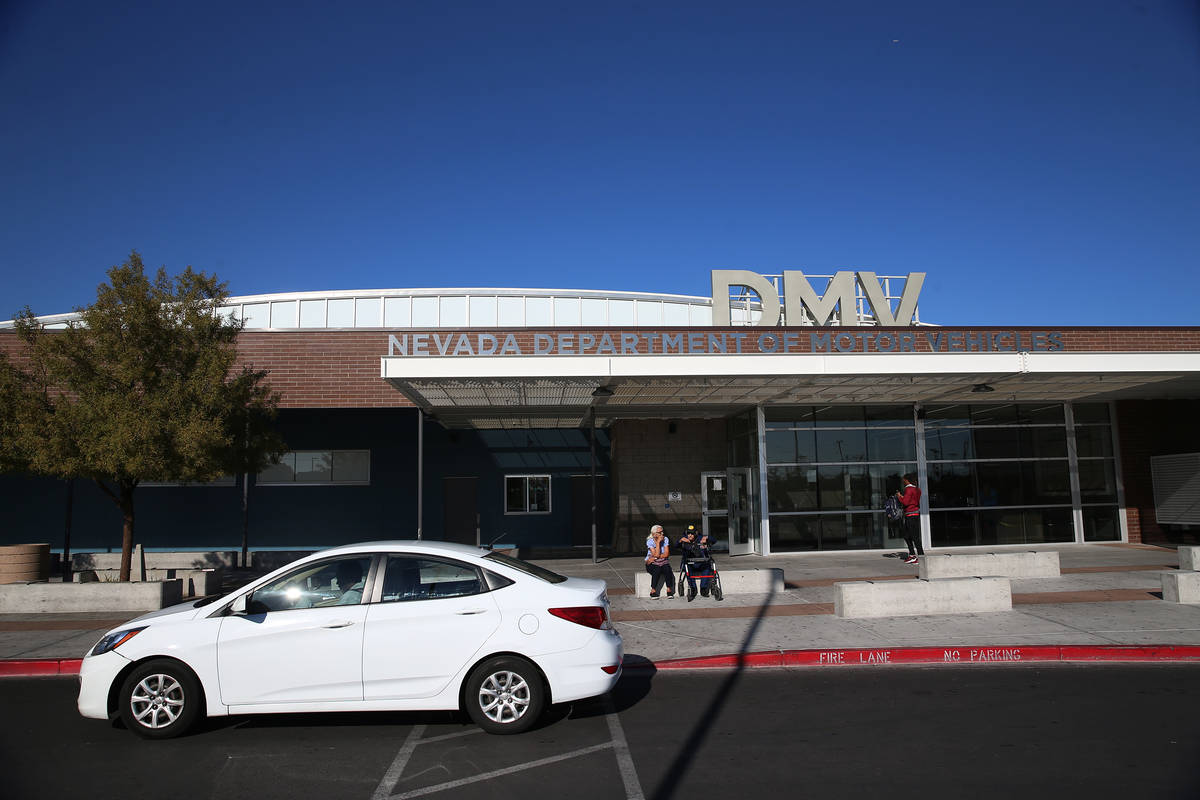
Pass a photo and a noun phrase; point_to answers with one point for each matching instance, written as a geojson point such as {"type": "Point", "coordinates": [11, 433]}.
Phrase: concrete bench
{"type": "Point", "coordinates": [195, 582]}
{"type": "Point", "coordinates": [920, 597]}
{"type": "Point", "coordinates": [1181, 586]}
{"type": "Point", "coordinates": [1189, 558]}
{"type": "Point", "coordinates": [1005, 565]}
{"type": "Point", "coordinates": [733, 581]}
{"type": "Point", "coordinates": [71, 597]}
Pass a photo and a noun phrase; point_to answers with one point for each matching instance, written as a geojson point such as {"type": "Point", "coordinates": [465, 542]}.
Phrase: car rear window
{"type": "Point", "coordinates": [526, 567]}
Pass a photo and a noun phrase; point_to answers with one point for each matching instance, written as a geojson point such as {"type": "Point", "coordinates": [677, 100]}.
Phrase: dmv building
{"type": "Point", "coordinates": [776, 413]}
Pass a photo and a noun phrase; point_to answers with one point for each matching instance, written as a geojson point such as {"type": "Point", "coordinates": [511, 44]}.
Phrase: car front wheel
{"type": "Point", "coordinates": [160, 699]}
{"type": "Point", "coordinates": [505, 695]}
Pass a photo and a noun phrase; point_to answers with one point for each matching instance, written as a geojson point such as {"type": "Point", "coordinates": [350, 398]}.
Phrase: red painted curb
{"type": "Point", "coordinates": [38, 667]}
{"type": "Point", "coordinates": [956, 655]}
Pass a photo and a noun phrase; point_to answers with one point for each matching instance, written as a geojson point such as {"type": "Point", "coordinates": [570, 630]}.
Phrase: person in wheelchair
{"type": "Point", "coordinates": [696, 560]}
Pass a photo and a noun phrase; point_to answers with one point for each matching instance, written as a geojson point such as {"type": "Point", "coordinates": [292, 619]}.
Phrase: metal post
{"type": "Point", "coordinates": [66, 565]}
{"type": "Point", "coordinates": [593, 455]}
{"type": "Point", "coordinates": [245, 520]}
{"type": "Point", "coordinates": [420, 468]}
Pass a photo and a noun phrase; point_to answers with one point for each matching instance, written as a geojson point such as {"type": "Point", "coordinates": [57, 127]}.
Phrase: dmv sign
{"type": "Point", "coordinates": [800, 301]}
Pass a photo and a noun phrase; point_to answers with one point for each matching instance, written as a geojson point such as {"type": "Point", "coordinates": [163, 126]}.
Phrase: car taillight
{"type": "Point", "coordinates": [588, 616]}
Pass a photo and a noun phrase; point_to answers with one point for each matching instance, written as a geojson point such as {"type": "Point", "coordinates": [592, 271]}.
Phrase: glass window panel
{"type": "Point", "coordinates": [1005, 414]}
{"type": "Point", "coordinates": [397, 312]}
{"type": "Point", "coordinates": [425, 312]}
{"type": "Point", "coordinates": [257, 315]}
{"type": "Point", "coordinates": [844, 487]}
{"type": "Point", "coordinates": [538, 312]}
{"type": "Point", "coordinates": [885, 480]}
{"type": "Point", "coordinates": [514, 495]}
{"type": "Point", "coordinates": [997, 442]}
{"type": "Point", "coordinates": [620, 312]}
{"type": "Point", "coordinates": [895, 444]}
{"type": "Point", "coordinates": [781, 447]}
{"type": "Point", "coordinates": [999, 484]}
{"type": "Point", "coordinates": [794, 534]}
{"type": "Point", "coordinates": [951, 485]}
{"type": "Point", "coordinates": [511, 311]}
{"type": "Point", "coordinates": [649, 312]}
{"type": "Point", "coordinates": [1101, 524]}
{"type": "Point", "coordinates": [844, 445]}
{"type": "Point", "coordinates": [312, 313]}
{"type": "Point", "coordinates": [352, 466]}
{"type": "Point", "coordinates": [792, 488]}
{"type": "Point", "coordinates": [539, 494]}
{"type": "Point", "coordinates": [368, 312]}
{"type": "Point", "coordinates": [325, 583]}
{"type": "Point", "coordinates": [283, 472]}
{"type": "Point", "coordinates": [889, 415]}
{"type": "Point", "coordinates": [1094, 441]}
{"type": "Point", "coordinates": [1086, 413]}
{"type": "Point", "coordinates": [1047, 481]}
{"type": "Point", "coordinates": [594, 311]}
{"type": "Point", "coordinates": [567, 311]}
{"type": "Point", "coordinates": [283, 315]}
{"type": "Point", "coordinates": [452, 312]}
{"type": "Point", "coordinates": [1048, 525]}
{"type": "Point", "coordinates": [839, 416]}
{"type": "Point", "coordinates": [952, 529]}
{"type": "Point", "coordinates": [948, 443]}
{"type": "Point", "coordinates": [341, 313]}
{"type": "Point", "coordinates": [314, 466]}
{"type": "Point", "coordinates": [1043, 413]}
{"type": "Point", "coordinates": [947, 415]}
{"type": "Point", "coordinates": [1043, 442]}
{"type": "Point", "coordinates": [701, 315]}
{"type": "Point", "coordinates": [1002, 527]}
{"type": "Point", "coordinates": [483, 312]}
{"type": "Point", "coordinates": [789, 417]}
{"type": "Point", "coordinates": [675, 314]}
{"type": "Point", "coordinates": [1097, 480]}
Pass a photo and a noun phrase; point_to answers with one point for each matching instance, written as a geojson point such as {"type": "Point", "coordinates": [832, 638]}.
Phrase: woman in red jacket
{"type": "Point", "coordinates": [910, 497]}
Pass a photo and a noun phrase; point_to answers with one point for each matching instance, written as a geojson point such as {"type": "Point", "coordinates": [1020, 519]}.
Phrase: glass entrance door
{"type": "Point", "coordinates": [742, 539]}
{"type": "Point", "coordinates": [714, 500]}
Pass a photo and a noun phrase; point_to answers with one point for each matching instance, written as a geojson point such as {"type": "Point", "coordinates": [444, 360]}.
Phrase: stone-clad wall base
{"type": "Point", "coordinates": [921, 597]}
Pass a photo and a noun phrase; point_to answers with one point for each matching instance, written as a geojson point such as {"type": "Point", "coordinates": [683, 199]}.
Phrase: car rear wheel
{"type": "Point", "coordinates": [505, 695]}
{"type": "Point", "coordinates": [160, 699]}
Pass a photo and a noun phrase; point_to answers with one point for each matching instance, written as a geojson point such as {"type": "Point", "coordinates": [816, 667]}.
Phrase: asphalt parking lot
{"type": "Point", "coordinates": [1096, 731]}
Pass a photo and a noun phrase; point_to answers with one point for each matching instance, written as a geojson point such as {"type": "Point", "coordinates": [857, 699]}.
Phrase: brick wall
{"type": "Point", "coordinates": [648, 461]}
{"type": "Point", "coordinates": [1152, 428]}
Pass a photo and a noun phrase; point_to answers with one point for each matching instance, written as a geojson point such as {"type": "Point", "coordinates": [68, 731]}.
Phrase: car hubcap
{"type": "Point", "coordinates": [156, 701]}
{"type": "Point", "coordinates": [504, 697]}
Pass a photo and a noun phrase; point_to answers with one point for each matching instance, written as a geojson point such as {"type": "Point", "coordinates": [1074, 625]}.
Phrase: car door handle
{"type": "Point", "coordinates": [467, 611]}
{"type": "Point", "coordinates": [341, 624]}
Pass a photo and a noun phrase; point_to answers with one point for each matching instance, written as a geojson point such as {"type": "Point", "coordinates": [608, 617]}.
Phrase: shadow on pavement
{"type": "Point", "coordinates": [705, 722]}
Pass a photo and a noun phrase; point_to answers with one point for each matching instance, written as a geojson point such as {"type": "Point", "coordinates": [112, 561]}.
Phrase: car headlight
{"type": "Point", "coordinates": [115, 639]}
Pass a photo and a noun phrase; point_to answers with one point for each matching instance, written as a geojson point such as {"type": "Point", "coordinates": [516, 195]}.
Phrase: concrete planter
{"type": "Point", "coordinates": [21, 563]}
{"type": "Point", "coordinates": [99, 596]}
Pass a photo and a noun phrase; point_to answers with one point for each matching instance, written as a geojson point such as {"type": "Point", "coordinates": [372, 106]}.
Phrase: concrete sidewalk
{"type": "Point", "coordinates": [1109, 596]}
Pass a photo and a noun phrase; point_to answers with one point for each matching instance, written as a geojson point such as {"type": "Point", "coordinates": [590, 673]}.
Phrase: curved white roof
{"type": "Point", "coordinates": [479, 308]}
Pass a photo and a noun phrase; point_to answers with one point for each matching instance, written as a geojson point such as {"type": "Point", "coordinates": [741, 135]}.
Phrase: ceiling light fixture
{"type": "Point", "coordinates": [602, 391]}
{"type": "Point", "coordinates": [981, 388]}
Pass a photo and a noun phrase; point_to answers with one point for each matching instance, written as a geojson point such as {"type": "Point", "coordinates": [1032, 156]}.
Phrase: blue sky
{"type": "Point", "coordinates": [1039, 160]}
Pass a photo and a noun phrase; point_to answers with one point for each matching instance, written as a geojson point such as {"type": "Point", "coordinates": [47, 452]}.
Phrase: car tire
{"type": "Point", "coordinates": [160, 699]}
{"type": "Point", "coordinates": [505, 695]}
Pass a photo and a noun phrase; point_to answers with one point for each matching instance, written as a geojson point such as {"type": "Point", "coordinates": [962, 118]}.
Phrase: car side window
{"type": "Point", "coordinates": [337, 582]}
{"type": "Point", "coordinates": [408, 578]}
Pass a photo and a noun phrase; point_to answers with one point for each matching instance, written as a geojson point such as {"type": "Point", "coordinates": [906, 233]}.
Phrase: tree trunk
{"type": "Point", "coordinates": [126, 504]}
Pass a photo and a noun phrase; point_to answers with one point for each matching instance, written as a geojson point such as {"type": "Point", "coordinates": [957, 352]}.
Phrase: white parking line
{"type": "Point", "coordinates": [618, 744]}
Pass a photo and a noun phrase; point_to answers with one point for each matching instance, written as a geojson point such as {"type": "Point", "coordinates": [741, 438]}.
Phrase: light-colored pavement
{"type": "Point", "coordinates": [1107, 595]}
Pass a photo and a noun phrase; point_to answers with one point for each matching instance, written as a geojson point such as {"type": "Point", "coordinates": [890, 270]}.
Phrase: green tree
{"type": "Point", "coordinates": [143, 385]}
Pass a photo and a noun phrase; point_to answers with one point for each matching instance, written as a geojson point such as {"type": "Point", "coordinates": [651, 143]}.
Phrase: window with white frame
{"type": "Point", "coordinates": [224, 480]}
{"type": "Point", "coordinates": [319, 468]}
{"type": "Point", "coordinates": [526, 494]}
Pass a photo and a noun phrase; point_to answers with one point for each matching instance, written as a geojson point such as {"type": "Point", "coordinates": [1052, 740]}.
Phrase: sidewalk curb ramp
{"type": "Point", "coordinates": [885, 656]}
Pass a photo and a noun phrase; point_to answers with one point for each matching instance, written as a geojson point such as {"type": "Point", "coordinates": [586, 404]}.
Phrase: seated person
{"type": "Point", "coordinates": [350, 582]}
{"type": "Point", "coordinates": [694, 547]}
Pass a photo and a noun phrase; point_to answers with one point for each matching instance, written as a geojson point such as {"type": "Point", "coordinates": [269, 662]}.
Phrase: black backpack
{"type": "Point", "coordinates": [893, 509]}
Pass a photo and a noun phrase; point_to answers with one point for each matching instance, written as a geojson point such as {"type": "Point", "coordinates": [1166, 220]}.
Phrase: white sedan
{"type": "Point", "coordinates": [380, 626]}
